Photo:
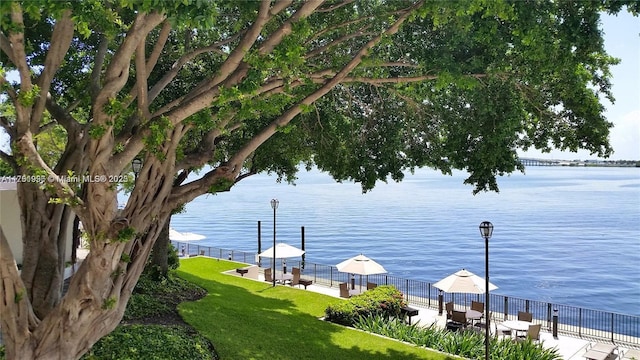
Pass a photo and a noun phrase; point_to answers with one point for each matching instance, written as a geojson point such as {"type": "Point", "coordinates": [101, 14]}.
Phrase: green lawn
{"type": "Point", "coordinates": [247, 319]}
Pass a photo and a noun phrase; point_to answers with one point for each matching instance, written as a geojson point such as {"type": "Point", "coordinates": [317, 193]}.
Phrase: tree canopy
{"type": "Point", "coordinates": [364, 90]}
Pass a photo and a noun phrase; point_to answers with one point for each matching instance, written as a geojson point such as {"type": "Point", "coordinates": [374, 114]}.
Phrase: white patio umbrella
{"type": "Point", "coordinates": [360, 265]}
{"type": "Point", "coordinates": [184, 236]}
{"type": "Point", "coordinates": [463, 281]}
{"type": "Point", "coordinates": [283, 251]}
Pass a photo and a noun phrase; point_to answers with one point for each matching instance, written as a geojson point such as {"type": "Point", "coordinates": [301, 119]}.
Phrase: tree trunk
{"type": "Point", "coordinates": [46, 228]}
{"type": "Point", "coordinates": [159, 255]}
{"type": "Point", "coordinates": [92, 307]}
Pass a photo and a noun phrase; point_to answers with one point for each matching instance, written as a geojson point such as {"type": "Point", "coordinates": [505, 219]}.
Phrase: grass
{"type": "Point", "coordinates": [247, 319]}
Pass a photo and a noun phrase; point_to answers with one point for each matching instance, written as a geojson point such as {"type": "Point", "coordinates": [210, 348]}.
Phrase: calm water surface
{"type": "Point", "coordinates": [565, 235]}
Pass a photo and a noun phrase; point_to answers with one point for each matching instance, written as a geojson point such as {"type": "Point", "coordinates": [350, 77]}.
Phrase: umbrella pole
{"type": "Point", "coordinates": [303, 255]}
{"type": "Point", "coordinates": [353, 281]}
{"type": "Point", "coordinates": [259, 241]}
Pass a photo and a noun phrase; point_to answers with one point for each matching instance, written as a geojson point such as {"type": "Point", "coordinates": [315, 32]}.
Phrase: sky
{"type": "Point", "coordinates": [622, 40]}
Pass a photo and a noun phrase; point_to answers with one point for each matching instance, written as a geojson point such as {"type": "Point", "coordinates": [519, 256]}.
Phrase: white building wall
{"type": "Point", "coordinates": [12, 226]}
{"type": "Point", "coordinates": [10, 219]}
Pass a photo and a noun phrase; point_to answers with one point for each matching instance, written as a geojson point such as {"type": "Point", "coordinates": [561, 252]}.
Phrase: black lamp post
{"type": "Point", "coordinates": [274, 205]}
{"type": "Point", "coordinates": [136, 166]}
{"type": "Point", "coordinates": [486, 229]}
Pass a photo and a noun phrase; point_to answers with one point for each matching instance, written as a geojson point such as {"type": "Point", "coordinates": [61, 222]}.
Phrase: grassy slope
{"type": "Point", "coordinates": [247, 319]}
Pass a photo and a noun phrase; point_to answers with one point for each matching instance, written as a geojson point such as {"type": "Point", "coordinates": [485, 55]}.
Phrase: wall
{"type": "Point", "coordinates": [11, 224]}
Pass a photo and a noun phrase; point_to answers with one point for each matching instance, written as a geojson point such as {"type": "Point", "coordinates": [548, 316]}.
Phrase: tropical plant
{"type": "Point", "coordinates": [468, 343]}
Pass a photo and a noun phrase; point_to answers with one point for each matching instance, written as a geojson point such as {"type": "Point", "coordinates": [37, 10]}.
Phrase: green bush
{"type": "Point", "coordinates": [144, 306]}
{"type": "Point", "coordinates": [384, 301]}
{"type": "Point", "coordinates": [149, 342]}
{"type": "Point", "coordinates": [156, 297]}
{"type": "Point", "coordinates": [468, 344]}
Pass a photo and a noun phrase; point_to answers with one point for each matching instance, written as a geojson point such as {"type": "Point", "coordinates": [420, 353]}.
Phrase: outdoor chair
{"type": "Point", "coordinates": [459, 317]}
{"type": "Point", "coordinates": [525, 316]}
{"type": "Point", "coordinates": [498, 328]}
{"type": "Point", "coordinates": [602, 351]}
{"type": "Point", "coordinates": [533, 333]}
{"type": "Point", "coordinates": [449, 308]}
{"type": "Point", "coordinates": [477, 306]}
{"type": "Point", "coordinates": [371, 285]}
{"type": "Point", "coordinates": [344, 290]}
{"type": "Point", "coordinates": [631, 354]}
{"type": "Point", "coordinates": [296, 276]}
{"type": "Point", "coordinates": [501, 330]}
{"type": "Point", "coordinates": [267, 275]}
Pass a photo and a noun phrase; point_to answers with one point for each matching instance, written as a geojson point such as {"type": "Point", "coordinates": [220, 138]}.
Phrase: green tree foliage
{"type": "Point", "coordinates": [222, 90]}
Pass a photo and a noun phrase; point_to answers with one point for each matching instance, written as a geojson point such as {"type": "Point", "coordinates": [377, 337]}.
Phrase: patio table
{"type": "Point", "coordinates": [280, 277]}
{"type": "Point", "coordinates": [517, 325]}
{"type": "Point", "coordinates": [473, 315]}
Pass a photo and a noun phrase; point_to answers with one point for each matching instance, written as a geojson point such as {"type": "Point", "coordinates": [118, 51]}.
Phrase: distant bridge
{"type": "Point", "coordinates": [548, 162]}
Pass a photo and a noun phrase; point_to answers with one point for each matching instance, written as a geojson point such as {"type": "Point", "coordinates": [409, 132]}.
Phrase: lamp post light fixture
{"type": "Point", "coordinates": [486, 229]}
{"type": "Point", "coordinates": [274, 206]}
{"type": "Point", "coordinates": [136, 166]}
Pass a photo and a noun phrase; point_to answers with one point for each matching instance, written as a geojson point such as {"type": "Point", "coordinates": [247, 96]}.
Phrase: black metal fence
{"type": "Point", "coordinates": [574, 321]}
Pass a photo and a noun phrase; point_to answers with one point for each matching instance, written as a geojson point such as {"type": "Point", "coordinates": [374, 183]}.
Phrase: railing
{"type": "Point", "coordinates": [574, 321]}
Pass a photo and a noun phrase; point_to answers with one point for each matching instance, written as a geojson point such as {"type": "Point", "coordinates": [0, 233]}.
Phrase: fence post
{"type": "Point", "coordinates": [580, 321]}
{"type": "Point", "coordinates": [612, 332]}
{"type": "Point", "coordinates": [440, 296]}
{"type": "Point", "coordinates": [506, 307]}
{"type": "Point", "coordinates": [406, 293]}
{"type": "Point", "coordinates": [331, 276]}
{"type": "Point", "coordinates": [555, 323]}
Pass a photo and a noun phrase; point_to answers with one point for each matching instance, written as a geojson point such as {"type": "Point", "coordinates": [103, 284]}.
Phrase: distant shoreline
{"type": "Point", "coordinates": [586, 163]}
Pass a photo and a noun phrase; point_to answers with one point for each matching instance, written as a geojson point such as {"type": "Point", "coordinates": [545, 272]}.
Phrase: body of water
{"type": "Point", "coordinates": [567, 235]}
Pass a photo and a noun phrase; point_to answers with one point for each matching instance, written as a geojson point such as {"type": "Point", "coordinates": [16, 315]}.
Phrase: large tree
{"type": "Point", "coordinates": [362, 89]}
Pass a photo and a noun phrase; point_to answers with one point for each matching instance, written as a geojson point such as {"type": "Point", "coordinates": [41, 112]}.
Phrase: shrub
{"type": "Point", "coordinates": [156, 297]}
{"type": "Point", "coordinates": [144, 306]}
{"type": "Point", "coordinates": [152, 342]}
{"type": "Point", "coordinates": [384, 301]}
{"type": "Point", "coordinates": [468, 343]}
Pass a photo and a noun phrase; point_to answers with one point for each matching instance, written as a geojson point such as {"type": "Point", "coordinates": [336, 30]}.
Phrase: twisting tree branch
{"type": "Point", "coordinates": [94, 86]}
{"type": "Point", "coordinates": [334, 7]}
{"type": "Point", "coordinates": [141, 81]}
{"type": "Point", "coordinates": [233, 166]}
{"type": "Point", "coordinates": [307, 9]}
{"type": "Point", "coordinates": [60, 43]}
